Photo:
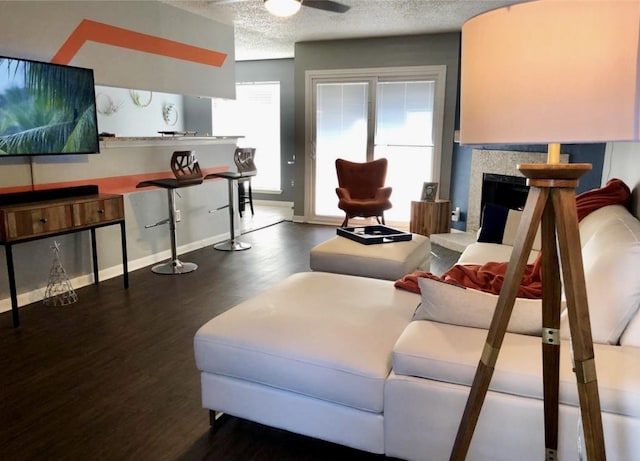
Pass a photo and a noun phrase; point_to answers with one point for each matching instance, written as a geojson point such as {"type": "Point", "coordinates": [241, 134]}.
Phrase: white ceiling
{"type": "Point", "coordinates": [259, 35]}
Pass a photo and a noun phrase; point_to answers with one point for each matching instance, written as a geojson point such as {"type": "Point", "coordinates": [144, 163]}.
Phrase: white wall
{"type": "Point", "coordinates": [130, 119]}
{"type": "Point", "coordinates": [40, 30]}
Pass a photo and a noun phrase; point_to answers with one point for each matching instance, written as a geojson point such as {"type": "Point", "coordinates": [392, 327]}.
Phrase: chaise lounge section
{"type": "Point", "coordinates": [295, 358]}
{"type": "Point", "coordinates": [357, 361]}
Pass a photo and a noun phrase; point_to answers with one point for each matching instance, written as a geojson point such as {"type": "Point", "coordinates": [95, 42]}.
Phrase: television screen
{"type": "Point", "coordinates": [46, 109]}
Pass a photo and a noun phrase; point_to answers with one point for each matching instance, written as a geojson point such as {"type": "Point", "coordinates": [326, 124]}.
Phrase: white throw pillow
{"type": "Point", "coordinates": [446, 303]}
{"type": "Point", "coordinates": [631, 335]}
{"type": "Point", "coordinates": [611, 259]}
{"type": "Point", "coordinates": [511, 231]}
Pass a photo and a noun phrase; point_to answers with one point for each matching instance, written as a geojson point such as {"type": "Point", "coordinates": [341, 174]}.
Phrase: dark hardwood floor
{"type": "Point", "coordinates": [112, 377]}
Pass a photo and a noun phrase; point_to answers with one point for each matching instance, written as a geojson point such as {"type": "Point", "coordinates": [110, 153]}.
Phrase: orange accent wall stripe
{"type": "Point", "coordinates": [99, 32]}
{"type": "Point", "coordinates": [109, 185]}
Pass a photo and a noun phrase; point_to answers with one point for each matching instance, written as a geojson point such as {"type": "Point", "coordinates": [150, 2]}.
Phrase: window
{"type": "Point", "coordinates": [254, 114]}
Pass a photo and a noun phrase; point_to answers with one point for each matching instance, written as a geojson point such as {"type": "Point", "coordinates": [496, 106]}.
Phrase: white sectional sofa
{"type": "Point", "coordinates": [341, 358]}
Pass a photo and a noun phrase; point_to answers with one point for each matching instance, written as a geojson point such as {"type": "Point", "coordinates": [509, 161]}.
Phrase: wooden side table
{"type": "Point", "coordinates": [35, 215]}
{"type": "Point", "coordinates": [430, 217]}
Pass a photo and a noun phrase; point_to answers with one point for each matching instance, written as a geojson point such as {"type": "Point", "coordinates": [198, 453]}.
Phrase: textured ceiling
{"type": "Point", "coordinates": [259, 35]}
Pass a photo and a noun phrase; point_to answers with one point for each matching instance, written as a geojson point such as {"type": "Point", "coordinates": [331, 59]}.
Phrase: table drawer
{"type": "Point", "coordinates": [35, 221]}
{"type": "Point", "coordinates": [98, 211]}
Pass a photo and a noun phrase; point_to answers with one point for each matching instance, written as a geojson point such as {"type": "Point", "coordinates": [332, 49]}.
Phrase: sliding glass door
{"type": "Point", "coordinates": [404, 135]}
{"type": "Point", "coordinates": [390, 113]}
{"type": "Point", "coordinates": [342, 114]}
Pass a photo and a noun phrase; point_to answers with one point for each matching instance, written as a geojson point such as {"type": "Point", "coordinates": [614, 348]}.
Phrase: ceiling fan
{"type": "Point", "coordinates": [286, 8]}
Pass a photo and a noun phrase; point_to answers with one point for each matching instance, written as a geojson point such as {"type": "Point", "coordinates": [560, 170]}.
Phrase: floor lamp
{"type": "Point", "coordinates": [549, 72]}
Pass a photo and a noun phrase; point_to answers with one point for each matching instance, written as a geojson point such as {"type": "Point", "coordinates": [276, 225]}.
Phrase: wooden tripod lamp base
{"type": "Point", "coordinates": [551, 201]}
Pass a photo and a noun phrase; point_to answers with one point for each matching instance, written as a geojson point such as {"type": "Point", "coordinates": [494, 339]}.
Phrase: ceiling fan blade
{"type": "Point", "coordinates": [326, 5]}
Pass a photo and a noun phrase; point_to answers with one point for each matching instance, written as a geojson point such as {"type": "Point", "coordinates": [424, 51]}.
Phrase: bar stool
{"type": "Point", "coordinates": [187, 173]}
{"type": "Point", "coordinates": [244, 172]}
{"type": "Point", "coordinates": [244, 160]}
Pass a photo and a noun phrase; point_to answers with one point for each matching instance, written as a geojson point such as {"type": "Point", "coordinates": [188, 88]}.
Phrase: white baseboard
{"type": "Point", "coordinates": [273, 203]}
{"type": "Point", "coordinates": [37, 294]}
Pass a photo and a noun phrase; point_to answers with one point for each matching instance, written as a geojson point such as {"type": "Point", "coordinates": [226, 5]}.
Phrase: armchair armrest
{"type": "Point", "coordinates": [343, 193]}
{"type": "Point", "coordinates": [383, 193]}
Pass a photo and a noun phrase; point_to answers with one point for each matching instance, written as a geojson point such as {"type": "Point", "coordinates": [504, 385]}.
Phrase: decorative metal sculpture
{"type": "Point", "coordinates": [59, 291]}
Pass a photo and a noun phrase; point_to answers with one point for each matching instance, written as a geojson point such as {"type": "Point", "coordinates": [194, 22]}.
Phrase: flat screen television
{"type": "Point", "coordinates": [46, 109]}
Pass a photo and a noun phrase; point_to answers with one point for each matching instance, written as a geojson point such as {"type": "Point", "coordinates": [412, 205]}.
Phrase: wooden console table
{"type": "Point", "coordinates": [40, 214]}
{"type": "Point", "coordinates": [430, 217]}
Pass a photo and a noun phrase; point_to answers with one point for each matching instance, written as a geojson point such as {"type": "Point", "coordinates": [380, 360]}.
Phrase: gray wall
{"type": "Point", "coordinates": [415, 50]}
{"type": "Point", "coordinates": [277, 70]}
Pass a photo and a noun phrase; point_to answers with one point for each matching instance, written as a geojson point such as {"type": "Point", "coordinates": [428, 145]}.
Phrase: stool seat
{"type": "Point", "coordinates": [169, 183]}
{"type": "Point", "coordinates": [388, 261]}
{"type": "Point", "coordinates": [225, 175]}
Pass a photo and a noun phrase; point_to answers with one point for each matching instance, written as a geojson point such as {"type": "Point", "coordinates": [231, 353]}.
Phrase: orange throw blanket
{"type": "Point", "coordinates": [490, 276]}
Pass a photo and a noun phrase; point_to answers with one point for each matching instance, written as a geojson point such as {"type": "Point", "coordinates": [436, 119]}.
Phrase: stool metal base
{"type": "Point", "coordinates": [174, 267]}
{"type": "Point", "coordinates": [232, 245]}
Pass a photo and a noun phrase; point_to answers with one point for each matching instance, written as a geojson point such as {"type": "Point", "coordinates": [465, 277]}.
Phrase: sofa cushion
{"type": "Point", "coordinates": [321, 335]}
{"type": "Point", "coordinates": [450, 354]}
{"type": "Point", "coordinates": [494, 220]}
{"type": "Point", "coordinates": [610, 240]}
{"type": "Point", "coordinates": [631, 335]}
{"type": "Point", "coordinates": [444, 302]}
{"type": "Point", "coordinates": [481, 253]}
{"type": "Point", "coordinates": [611, 258]}
{"type": "Point", "coordinates": [500, 225]}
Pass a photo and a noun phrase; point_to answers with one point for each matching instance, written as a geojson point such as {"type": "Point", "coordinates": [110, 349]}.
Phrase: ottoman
{"type": "Point", "coordinates": [388, 261]}
{"type": "Point", "coordinates": [310, 355]}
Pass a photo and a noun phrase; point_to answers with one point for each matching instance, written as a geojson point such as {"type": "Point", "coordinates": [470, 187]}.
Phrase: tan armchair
{"type": "Point", "coordinates": [361, 189]}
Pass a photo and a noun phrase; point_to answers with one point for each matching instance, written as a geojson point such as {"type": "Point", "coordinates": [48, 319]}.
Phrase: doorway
{"type": "Point", "coordinates": [362, 115]}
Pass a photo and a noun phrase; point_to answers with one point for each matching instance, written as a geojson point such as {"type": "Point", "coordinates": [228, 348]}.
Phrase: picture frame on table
{"type": "Point", "coordinates": [429, 191]}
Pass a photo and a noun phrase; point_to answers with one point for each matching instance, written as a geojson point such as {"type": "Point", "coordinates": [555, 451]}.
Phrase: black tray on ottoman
{"type": "Point", "coordinates": [369, 235]}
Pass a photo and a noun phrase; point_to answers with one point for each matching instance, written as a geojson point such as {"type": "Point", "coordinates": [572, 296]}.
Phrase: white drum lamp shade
{"type": "Point", "coordinates": [552, 71]}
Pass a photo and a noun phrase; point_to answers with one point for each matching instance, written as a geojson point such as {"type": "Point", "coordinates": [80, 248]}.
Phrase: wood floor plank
{"type": "Point", "coordinates": [112, 377]}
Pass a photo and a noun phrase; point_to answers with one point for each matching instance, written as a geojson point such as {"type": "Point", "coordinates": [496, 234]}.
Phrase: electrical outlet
{"type": "Point", "coordinates": [455, 214]}
{"type": "Point", "coordinates": [177, 215]}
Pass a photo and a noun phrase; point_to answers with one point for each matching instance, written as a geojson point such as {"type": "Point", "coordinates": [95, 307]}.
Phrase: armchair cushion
{"type": "Point", "coordinates": [364, 206]}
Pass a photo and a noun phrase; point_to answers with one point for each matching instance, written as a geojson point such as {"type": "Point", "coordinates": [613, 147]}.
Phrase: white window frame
{"type": "Point", "coordinates": [273, 157]}
{"type": "Point", "coordinates": [437, 73]}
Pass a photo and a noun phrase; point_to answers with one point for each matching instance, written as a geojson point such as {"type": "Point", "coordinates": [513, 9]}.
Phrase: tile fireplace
{"type": "Point", "coordinates": [498, 164]}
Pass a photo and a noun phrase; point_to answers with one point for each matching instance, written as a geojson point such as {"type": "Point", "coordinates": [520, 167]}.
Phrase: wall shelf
{"type": "Point", "coordinates": [154, 141]}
